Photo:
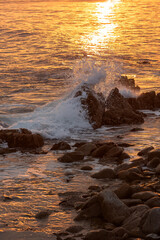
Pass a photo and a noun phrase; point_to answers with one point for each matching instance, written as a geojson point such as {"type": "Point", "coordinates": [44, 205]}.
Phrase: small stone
{"type": "Point", "coordinates": [71, 157]}
{"type": "Point", "coordinates": [61, 146]}
{"type": "Point", "coordinates": [43, 214]}
{"type": "Point", "coordinates": [104, 173]}
{"type": "Point", "coordinates": [145, 151]}
{"type": "Point", "coordinates": [86, 168]}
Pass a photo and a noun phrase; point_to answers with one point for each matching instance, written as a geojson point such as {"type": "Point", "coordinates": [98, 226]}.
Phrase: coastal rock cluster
{"type": "Point", "coordinates": [128, 206]}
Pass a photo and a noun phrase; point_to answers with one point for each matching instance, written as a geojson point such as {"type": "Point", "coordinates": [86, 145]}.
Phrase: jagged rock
{"type": "Point", "coordinates": [151, 221]}
{"type": "Point", "coordinates": [129, 83]}
{"type": "Point", "coordinates": [93, 104]}
{"type": "Point", "coordinates": [147, 100]}
{"type": "Point", "coordinates": [21, 138]}
{"type": "Point", "coordinates": [144, 195]}
{"type": "Point", "coordinates": [104, 173]}
{"type": "Point", "coordinates": [153, 202]}
{"type": "Point", "coordinates": [120, 111]}
{"type": "Point", "coordinates": [71, 157]}
{"type": "Point", "coordinates": [145, 151]}
{"type": "Point", "coordinates": [61, 146]}
{"type": "Point", "coordinates": [113, 209]}
{"type": "Point", "coordinates": [87, 148]}
{"type": "Point", "coordinates": [132, 223]}
{"type": "Point", "coordinates": [157, 101]}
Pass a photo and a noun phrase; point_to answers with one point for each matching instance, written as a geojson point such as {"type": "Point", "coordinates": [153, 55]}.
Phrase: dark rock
{"type": "Point", "coordinates": [120, 111]}
{"type": "Point", "coordinates": [74, 229]}
{"type": "Point", "coordinates": [131, 174]}
{"type": "Point", "coordinates": [93, 210]}
{"type": "Point", "coordinates": [21, 138]}
{"type": "Point", "coordinates": [7, 150]}
{"type": "Point", "coordinates": [153, 163]}
{"type": "Point", "coordinates": [100, 151]}
{"type": "Point", "coordinates": [104, 173]}
{"type": "Point", "coordinates": [132, 202]}
{"type": "Point", "coordinates": [136, 129]}
{"type": "Point", "coordinates": [71, 157]}
{"type": "Point", "coordinates": [125, 145]}
{"type": "Point", "coordinates": [124, 191]}
{"type": "Point", "coordinates": [158, 169]}
{"type": "Point", "coordinates": [87, 148]}
{"type": "Point", "coordinates": [145, 151]}
{"type": "Point", "coordinates": [114, 152]}
{"type": "Point", "coordinates": [43, 214]}
{"type": "Point", "coordinates": [132, 223]}
{"type": "Point", "coordinates": [61, 146]}
{"type": "Point", "coordinates": [113, 209]}
{"type": "Point", "coordinates": [153, 154]}
{"type": "Point", "coordinates": [93, 104]}
{"type": "Point", "coordinates": [86, 168]}
{"type": "Point", "coordinates": [95, 188]}
{"type": "Point", "coordinates": [151, 221]}
{"type": "Point", "coordinates": [147, 100]}
{"type": "Point", "coordinates": [129, 83]}
{"type": "Point", "coordinates": [120, 233]}
{"type": "Point", "coordinates": [99, 234]}
{"type": "Point", "coordinates": [145, 195]}
{"type": "Point", "coordinates": [153, 202]}
{"type": "Point", "coordinates": [157, 101]}
{"type": "Point", "coordinates": [70, 199]}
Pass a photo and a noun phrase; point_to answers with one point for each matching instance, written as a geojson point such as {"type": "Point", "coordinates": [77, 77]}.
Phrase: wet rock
{"type": "Point", "coordinates": [95, 188]}
{"type": "Point", "coordinates": [100, 151]}
{"type": "Point", "coordinates": [93, 104]}
{"type": "Point", "coordinates": [145, 151]}
{"type": "Point", "coordinates": [61, 146]}
{"type": "Point", "coordinates": [124, 191]}
{"type": "Point", "coordinates": [113, 209]}
{"type": "Point", "coordinates": [71, 157]}
{"type": "Point", "coordinates": [136, 129]}
{"type": "Point", "coordinates": [87, 148]}
{"type": "Point", "coordinates": [7, 150]}
{"type": "Point", "coordinates": [93, 210]}
{"type": "Point", "coordinates": [86, 168]}
{"type": "Point", "coordinates": [147, 100]}
{"type": "Point", "coordinates": [153, 163]}
{"type": "Point", "coordinates": [43, 214]}
{"type": "Point", "coordinates": [74, 229]}
{"type": "Point", "coordinates": [131, 174]}
{"type": "Point", "coordinates": [158, 169]}
{"type": "Point", "coordinates": [99, 234]}
{"type": "Point", "coordinates": [120, 233]}
{"type": "Point", "coordinates": [120, 111]}
{"type": "Point", "coordinates": [70, 199]}
{"type": "Point", "coordinates": [114, 152]}
{"type": "Point", "coordinates": [144, 196]}
{"type": "Point", "coordinates": [153, 154]}
{"type": "Point", "coordinates": [132, 202]}
{"type": "Point", "coordinates": [157, 101]}
{"type": "Point", "coordinates": [132, 223]}
{"type": "Point", "coordinates": [129, 83]}
{"type": "Point", "coordinates": [21, 138]}
{"type": "Point", "coordinates": [153, 202]}
{"type": "Point", "coordinates": [125, 145]}
{"type": "Point", "coordinates": [104, 173]}
{"type": "Point", "coordinates": [151, 221]}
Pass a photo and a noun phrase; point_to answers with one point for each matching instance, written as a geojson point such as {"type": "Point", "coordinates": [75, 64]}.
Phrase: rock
{"type": "Point", "coordinates": [136, 129]}
{"type": "Point", "coordinates": [22, 138]}
{"type": "Point", "coordinates": [104, 173]}
{"type": "Point", "coordinates": [158, 169]}
{"type": "Point", "coordinates": [114, 152]}
{"type": "Point", "coordinates": [132, 223]}
{"type": "Point", "coordinates": [131, 174]}
{"type": "Point", "coordinates": [153, 163]}
{"type": "Point", "coordinates": [43, 214]}
{"type": "Point", "coordinates": [99, 234]}
{"type": "Point", "coordinates": [86, 168]}
{"type": "Point", "coordinates": [93, 104]}
{"type": "Point", "coordinates": [124, 191]}
{"type": "Point", "coordinates": [120, 111]}
{"type": "Point", "coordinates": [87, 148]}
{"type": "Point", "coordinates": [144, 196]}
{"type": "Point", "coordinates": [152, 236]}
{"type": "Point", "coordinates": [100, 151]}
{"type": "Point", "coordinates": [153, 154]}
{"type": "Point", "coordinates": [132, 202]}
{"type": "Point", "coordinates": [95, 188]}
{"type": "Point", "coordinates": [153, 202]}
{"type": "Point", "coordinates": [61, 146]}
{"type": "Point", "coordinates": [113, 209]}
{"type": "Point", "coordinates": [120, 233]}
{"type": "Point", "coordinates": [145, 151]}
{"type": "Point", "coordinates": [157, 101]}
{"type": "Point", "coordinates": [129, 83]}
{"type": "Point", "coordinates": [92, 210]}
{"type": "Point", "coordinates": [71, 157]}
{"type": "Point", "coordinates": [74, 229]}
{"type": "Point", "coordinates": [7, 150]}
{"type": "Point", "coordinates": [151, 221]}
{"type": "Point", "coordinates": [146, 100]}
{"type": "Point", "coordinates": [70, 199]}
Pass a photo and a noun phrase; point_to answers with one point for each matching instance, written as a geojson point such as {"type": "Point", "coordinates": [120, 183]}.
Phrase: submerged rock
{"type": "Point", "coordinates": [71, 157]}
{"type": "Point", "coordinates": [61, 146]}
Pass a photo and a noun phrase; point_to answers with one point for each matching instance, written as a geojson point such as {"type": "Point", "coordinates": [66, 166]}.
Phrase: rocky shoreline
{"type": "Point", "coordinates": [127, 205]}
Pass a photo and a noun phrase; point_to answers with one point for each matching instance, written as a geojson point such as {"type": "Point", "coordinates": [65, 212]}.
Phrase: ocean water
{"type": "Point", "coordinates": [48, 49]}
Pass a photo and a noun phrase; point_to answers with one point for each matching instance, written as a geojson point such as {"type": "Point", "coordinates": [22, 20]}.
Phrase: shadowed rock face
{"type": "Point", "coordinates": [94, 105]}
{"type": "Point", "coordinates": [119, 111]}
{"type": "Point", "coordinates": [22, 138]}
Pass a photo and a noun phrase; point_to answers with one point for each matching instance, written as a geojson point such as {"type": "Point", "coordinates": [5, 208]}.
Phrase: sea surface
{"type": "Point", "coordinates": [47, 50]}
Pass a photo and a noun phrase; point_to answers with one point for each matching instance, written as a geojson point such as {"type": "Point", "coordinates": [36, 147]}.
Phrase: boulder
{"type": "Point", "coordinates": [151, 221]}
{"type": "Point", "coordinates": [71, 157]}
{"type": "Point", "coordinates": [93, 104]}
{"type": "Point", "coordinates": [127, 82]}
{"type": "Point", "coordinates": [100, 151]}
{"type": "Point", "coordinates": [157, 101]}
{"type": "Point", "coordinates": [119, 111]}
{"type": "Point", "coordinates": [158, 169]}
{"type": "Point", "coordinates": [113, 209]}
{"type": "Point", "coordinates": [61, 146]}
{"type": "Point", "coordinates": [99, 234]}
{"type": "Point", "coordinates": [144, 195]}
{"type": "Point", "coordinates": [132, 223]}
{"type": "Point", "coordinates": [131, 174]}
{"type": "Point", "coordinates": [145, 151]}
{"type": "Point", "coordinates": [153, 202]}
{"type": "Point", "coordinates": [21, 138]}
{"type": "Point", "coordinates": [147, 100]}
{"type": "Point", "coordinates": [87, 148]}
{"type": "Point", "coordinates": [124, 191]}
{"type": "Point", "coordinates": [114, 152]}
{"type": "Point", "coordinates": [104, 173]}
{"type": "Point", "coordinates": [154, 162]}
{"type": "Point", "coordinates": [153, 154]}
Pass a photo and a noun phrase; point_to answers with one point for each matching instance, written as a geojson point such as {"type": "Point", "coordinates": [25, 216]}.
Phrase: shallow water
{"type": "Point", "coordinates": [47, 49]}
